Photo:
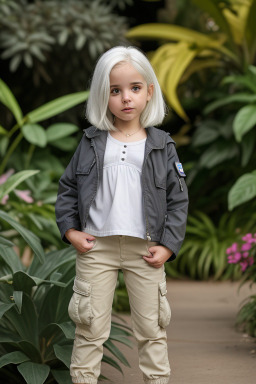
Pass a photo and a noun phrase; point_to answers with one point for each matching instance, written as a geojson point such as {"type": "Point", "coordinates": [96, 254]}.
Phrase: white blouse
{"type": "Point", "coordinates": [118, 206]}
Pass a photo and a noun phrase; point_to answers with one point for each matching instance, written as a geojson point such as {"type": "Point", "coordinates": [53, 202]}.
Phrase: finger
{"type": "Point", "coordinates": [149, 259]}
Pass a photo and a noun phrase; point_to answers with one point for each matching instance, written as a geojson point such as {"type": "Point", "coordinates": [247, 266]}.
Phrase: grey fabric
{"type": "Point", "coordinates": [164, 191]}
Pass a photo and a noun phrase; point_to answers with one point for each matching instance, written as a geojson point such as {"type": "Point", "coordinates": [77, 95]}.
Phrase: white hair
{"type": "Point", "coordinates": [97, 111]}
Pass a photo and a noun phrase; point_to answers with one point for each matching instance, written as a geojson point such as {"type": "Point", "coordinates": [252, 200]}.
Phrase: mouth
{"type": "Point", "coordinates": [127, 109]}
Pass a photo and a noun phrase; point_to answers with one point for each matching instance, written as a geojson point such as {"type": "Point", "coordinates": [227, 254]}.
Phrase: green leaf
{"type": "Point", "coordinates": [59, 130]}
{"type": "Point", "coordinates": [4, 308]}
{"type": "Point", "coordinates": [247, 146]}
{"type": "Point", "coordinates": [217, 153]}
{"type": "Point", "coordinates": [167, 32]}
{"type": "Point", "coordinates": [10, 257]}
{"type": "Point", "coordinates": [3, 131]}
{"type": "Point", "coordinates": [25, 323]}
{"type": "Point", "coordinates": [13, 358]}
{"type": "Point", "coordinates": [63, 353]}
{"type": "Point", "coordinates": [62, 376]}
{"type": "Point", "coordinates": [236, 98]}
{"type": "Point", "coordinates": [112, 362]}
{"type": "Point", "coordinates": [34, 373]}
{"type": "Point", "coordinates": [14, 180]}
{"type": "Point", "coordinates": [17, 296]}
{"type": "Point", "coordinates": [32, 240]}
{"type": "Point", "coordinates": [34, 134]}
{"type": "Point", "coordinates": [207, 132]}
{"type": "Point", "coordinates": [57, 106]}
{"type": "Point", "coordinates": [5, 242]}
{"type": "Point", "coordinates": [250, 30]}
{"type": "Point", "coordinates": [3, 145]}
{"type": "Point", "coordinates": [8, 99]}
{"type": "Point", "coordinates": [30, 350]}
{"type": "Point", "coordinates": [67, 328]}
{"type": "Point", "coordinates": [65, 144]}
{"type": "Point", "coordinates": [116, 352]}
{"type": "Point", "coordinates": [244, 121]}
{"type": "Point", "coordinates": [243, 190]}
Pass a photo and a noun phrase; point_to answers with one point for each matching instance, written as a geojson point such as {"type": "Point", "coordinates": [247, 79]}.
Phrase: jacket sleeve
{"type": "Point", "coordinates": [66, 206]}
{"type": "Point", "coordinates": [177, 205]}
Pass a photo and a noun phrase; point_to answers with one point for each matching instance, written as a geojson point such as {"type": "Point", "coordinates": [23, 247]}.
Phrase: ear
{"type": "Point", "coordinates": [150, 91]}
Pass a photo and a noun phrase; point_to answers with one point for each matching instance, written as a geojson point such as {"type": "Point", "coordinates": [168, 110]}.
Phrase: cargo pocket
{"type": "Point", "coordinates": [164, 306]}
{"type": "Point", "coordinates": [79, 309]}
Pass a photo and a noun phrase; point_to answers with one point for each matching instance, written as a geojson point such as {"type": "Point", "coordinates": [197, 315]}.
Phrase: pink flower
{"type": "Point", "coordinates": [246, 247]}
{"type": "Point", "coordinates": [234, 258]}
{"type": "Point", "coordinates": [24, 195]}
{"type": "Point", "coordinates": [244, 265]}
{"type": "Point", "coordinates": [6, 176]}
{"type": "Point", "coordinates": [249, 239]}
{"type": "Point", "coordinates": [233, 248]}
{"type": "Point", "coordinates": [245, 254]}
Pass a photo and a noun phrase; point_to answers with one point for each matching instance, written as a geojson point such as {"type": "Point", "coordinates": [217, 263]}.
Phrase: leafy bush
{"type": "Point", "coordinates": [36, 332]}
{"type": "Point", "coordinates": [229, 43]}
{"type": "Point", "coordinates": [203, 254]}
{"type": "Point", "coordinates": [32, 30]}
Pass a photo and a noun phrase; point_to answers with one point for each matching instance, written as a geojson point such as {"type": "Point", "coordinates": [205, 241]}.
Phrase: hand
{"type": "Point", "coordinates": [160, 254]}
{"type": "Point", "coordinates": [79, 240]}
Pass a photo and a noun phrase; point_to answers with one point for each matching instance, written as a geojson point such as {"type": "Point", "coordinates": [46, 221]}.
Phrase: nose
{"type": "Point", "coordinates": [126, 97]}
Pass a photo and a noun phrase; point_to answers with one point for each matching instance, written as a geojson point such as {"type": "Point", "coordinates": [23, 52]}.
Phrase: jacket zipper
{"type": "Point", "coordinates": [147, 226]}
{"type": "Point", "coordinates": [98, 174]}
{"type": "Point", "coordinates": [181, 187]}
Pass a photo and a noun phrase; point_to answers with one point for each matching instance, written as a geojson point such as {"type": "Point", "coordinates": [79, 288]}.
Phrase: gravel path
{"type": "Point", "coordinates": [204, 347]}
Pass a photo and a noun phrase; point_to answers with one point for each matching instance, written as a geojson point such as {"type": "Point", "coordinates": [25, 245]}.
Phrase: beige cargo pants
{"type": "Point", "coordinates": [91, 305]}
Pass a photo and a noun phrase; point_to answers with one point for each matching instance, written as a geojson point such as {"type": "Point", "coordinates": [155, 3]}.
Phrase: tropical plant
{"type": "Point", "coordinates": [36, 332]}
{"type": "Point", "coordinates": [230, 43]}
{"type": "Point", "coordinates": [203, 254]}
{"type": "Point", "coordinates": [86, 26]}
{"type": "Point", "coordinates": [38, 216]}
{"type": "Point", "coordinates": [241, 97]}
{"type": "Point", "coordinates": [27, 127]}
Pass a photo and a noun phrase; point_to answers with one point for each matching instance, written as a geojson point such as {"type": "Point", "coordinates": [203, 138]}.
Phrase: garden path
{"type": "Point", "coordinates": [204, 346]}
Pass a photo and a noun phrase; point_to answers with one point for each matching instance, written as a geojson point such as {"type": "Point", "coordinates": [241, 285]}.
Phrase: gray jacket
{"type": "Point", "coordinates": [164, 190]}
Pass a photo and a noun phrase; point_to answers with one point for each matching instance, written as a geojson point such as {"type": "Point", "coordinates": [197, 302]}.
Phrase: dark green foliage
{"type": "Point", "coordinates": [31, 31]}
{"type": "Point", "coordinates": [36, 331]}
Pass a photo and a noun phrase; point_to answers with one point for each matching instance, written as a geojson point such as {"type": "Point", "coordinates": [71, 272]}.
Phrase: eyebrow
{"type": "Point", "coordinates": [134, 82]}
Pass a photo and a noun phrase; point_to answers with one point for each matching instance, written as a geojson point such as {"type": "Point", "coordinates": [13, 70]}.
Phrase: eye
{"type": "Point", "coordinates": [115, 91]}
{"type": "Point", "coordinates": [136, 88]}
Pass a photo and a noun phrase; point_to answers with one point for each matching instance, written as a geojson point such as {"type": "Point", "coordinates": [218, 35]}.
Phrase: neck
{"type": "Point", "coordinates": [127, 126]}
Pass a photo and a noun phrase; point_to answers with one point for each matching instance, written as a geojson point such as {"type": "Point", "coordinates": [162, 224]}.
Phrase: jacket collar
{"type": "Point", "coordinates": [155, 139]}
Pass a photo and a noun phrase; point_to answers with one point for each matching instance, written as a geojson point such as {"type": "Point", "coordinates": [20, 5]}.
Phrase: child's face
{"type": "Point", "coordinates": [129, 94]}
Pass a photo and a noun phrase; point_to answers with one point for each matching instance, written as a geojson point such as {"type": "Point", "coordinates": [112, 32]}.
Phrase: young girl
{"type": "Point", "coordinates": [122, 203]}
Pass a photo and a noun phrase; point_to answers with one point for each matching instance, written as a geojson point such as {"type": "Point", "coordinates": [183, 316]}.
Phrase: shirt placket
{"type": "Point", "coordinates": [123, 153]}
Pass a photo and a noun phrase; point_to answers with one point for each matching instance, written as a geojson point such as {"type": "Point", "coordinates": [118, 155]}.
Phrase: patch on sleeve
{"type": "Point", "coordinates": [179, 169]}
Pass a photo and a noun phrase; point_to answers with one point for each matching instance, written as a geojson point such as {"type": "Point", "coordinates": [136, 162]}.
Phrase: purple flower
{"type": "Point", "coordinates": [233, 248]}
{"type": "Point", "coordinates": [234, 258]}
{"type": "Point", "coordinates": [246, 247]}
{"type": "Point", "coordinates": [244, 265]}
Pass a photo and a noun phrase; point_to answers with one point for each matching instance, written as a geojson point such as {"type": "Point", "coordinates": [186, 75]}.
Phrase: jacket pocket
{"type": "Point", "coordinates": [164, 306]}
{"type": "Point", "coordinates": [81, 173]}
{"type": "Point", "coordinates": [79, 309]}
{"type": "Point", "coordinates": [159, 183]}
